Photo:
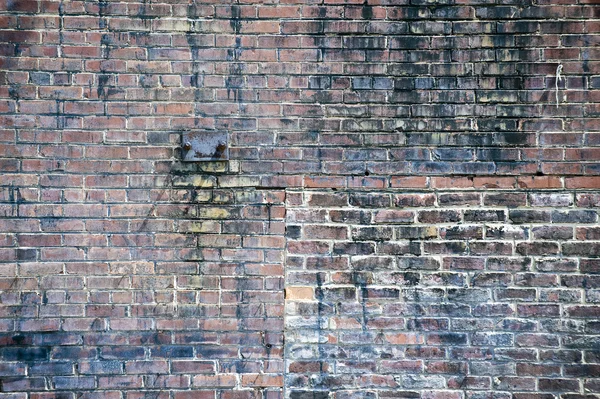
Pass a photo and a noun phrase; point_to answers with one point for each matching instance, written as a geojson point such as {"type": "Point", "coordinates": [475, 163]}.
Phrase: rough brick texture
{"type": "Point", "coordinates": [411, 199]}
{"type": "Point", "coordinates": [445, 294]}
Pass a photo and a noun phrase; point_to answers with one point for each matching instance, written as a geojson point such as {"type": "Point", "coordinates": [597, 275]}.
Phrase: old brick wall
{"type": "Point", "coordinates": [411, 199]}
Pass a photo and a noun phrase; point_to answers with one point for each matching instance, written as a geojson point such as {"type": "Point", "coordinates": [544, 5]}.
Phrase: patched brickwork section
{"type": "Point", "coordinates": [126, 273]}
{"type": "Point", "coordinates": [442, 295]}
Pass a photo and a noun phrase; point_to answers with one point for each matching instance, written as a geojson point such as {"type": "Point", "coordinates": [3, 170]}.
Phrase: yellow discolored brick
{"type": "Point", "coordinates": [199, 227]}
{"type": "Point", "coordinates": [300, 293]}
{"type": "Point", "coordinates": [213, 213]}
{"type": "Point", "coordinates": [214, 167]}
{"type": "Point", "coordinates": [194, 181]}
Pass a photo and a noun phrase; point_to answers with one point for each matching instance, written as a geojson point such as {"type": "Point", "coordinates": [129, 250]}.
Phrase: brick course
{"type": "Point", "coordinates": [411, 199]}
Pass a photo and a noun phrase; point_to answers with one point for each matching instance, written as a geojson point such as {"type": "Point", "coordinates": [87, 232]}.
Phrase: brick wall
{"type": "Point", "coordinates": [411, 199]}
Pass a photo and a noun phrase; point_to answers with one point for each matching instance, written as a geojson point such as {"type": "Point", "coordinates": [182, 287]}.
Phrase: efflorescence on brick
{"type": "Point", "coordinates": [409, 208]}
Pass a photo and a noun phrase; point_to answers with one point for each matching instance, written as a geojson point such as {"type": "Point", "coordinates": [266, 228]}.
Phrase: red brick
{"type": "Point", "coordinates": [539, 182]}
{"type": "Point", "coordinates": [262, 380]}
{"type": "Point", "coordinates": [582, 182]}
{"type": "Point", "coordinates": [195, 394]}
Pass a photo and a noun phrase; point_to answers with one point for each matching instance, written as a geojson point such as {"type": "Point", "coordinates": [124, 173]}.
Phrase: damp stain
{"type": "Point", "coordinates": [360, 282]}
{"type": "Point", "coordinates": [320, 334]}
{"type": "Point", "coordinates": [367, 10]}
{"type": "Point", "coordinates": [102, 90]}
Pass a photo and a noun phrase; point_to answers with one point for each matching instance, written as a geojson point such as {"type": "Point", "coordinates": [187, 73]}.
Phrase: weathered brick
{"type": "Point", "coordinates": [372, 233]}
{"type": "Point", "coordinates": [413, 184]}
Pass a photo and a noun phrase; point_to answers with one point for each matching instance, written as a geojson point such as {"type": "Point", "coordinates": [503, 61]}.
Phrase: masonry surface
{"type": "Point", "coordinates": [409, 208]}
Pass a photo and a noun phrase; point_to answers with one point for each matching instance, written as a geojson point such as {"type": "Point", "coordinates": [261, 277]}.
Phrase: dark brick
{"type": "Point", "coordinates": [557, 385]}
{"type": "Point", "coordinates": [574, 217]}
{"type": "Point", "coordinates": [372, 233]}
{"type": "Point", "coordinates": [23, 384]}
{"type": "Point", "coordinates": [439, 216]}
{"type": "Point", "coordinates": [24, 354]}
{"type": "Point", "coordinates": [538, 248]}
{"type": "Point", "coordinates": [418, 263]}
{"type": "Point", "coordinates": [587, 249]}
{"type": "Point", "coordinates": [468, 295]}
{"type": "Point", "coordinates": [505, 199]}
{"type": "Point", "coordinates": [529, 216]}
{"type": "Point", "coordinates": [553, 233]}
{"type": "Point", "coordinates": [416, 233]}
{"type": "Point", "coordinates": [351, 248]}
{"type": "Point", "coordinates": [350, 216]}
{"type": "Point", "coordinates": [370, 200]}
{"type": "Point", "coordinates": [461, 232]}
{"type": "Point", "coordinates": [484, 216]}
{"type": "Point", "coordinates": [460, 199]}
